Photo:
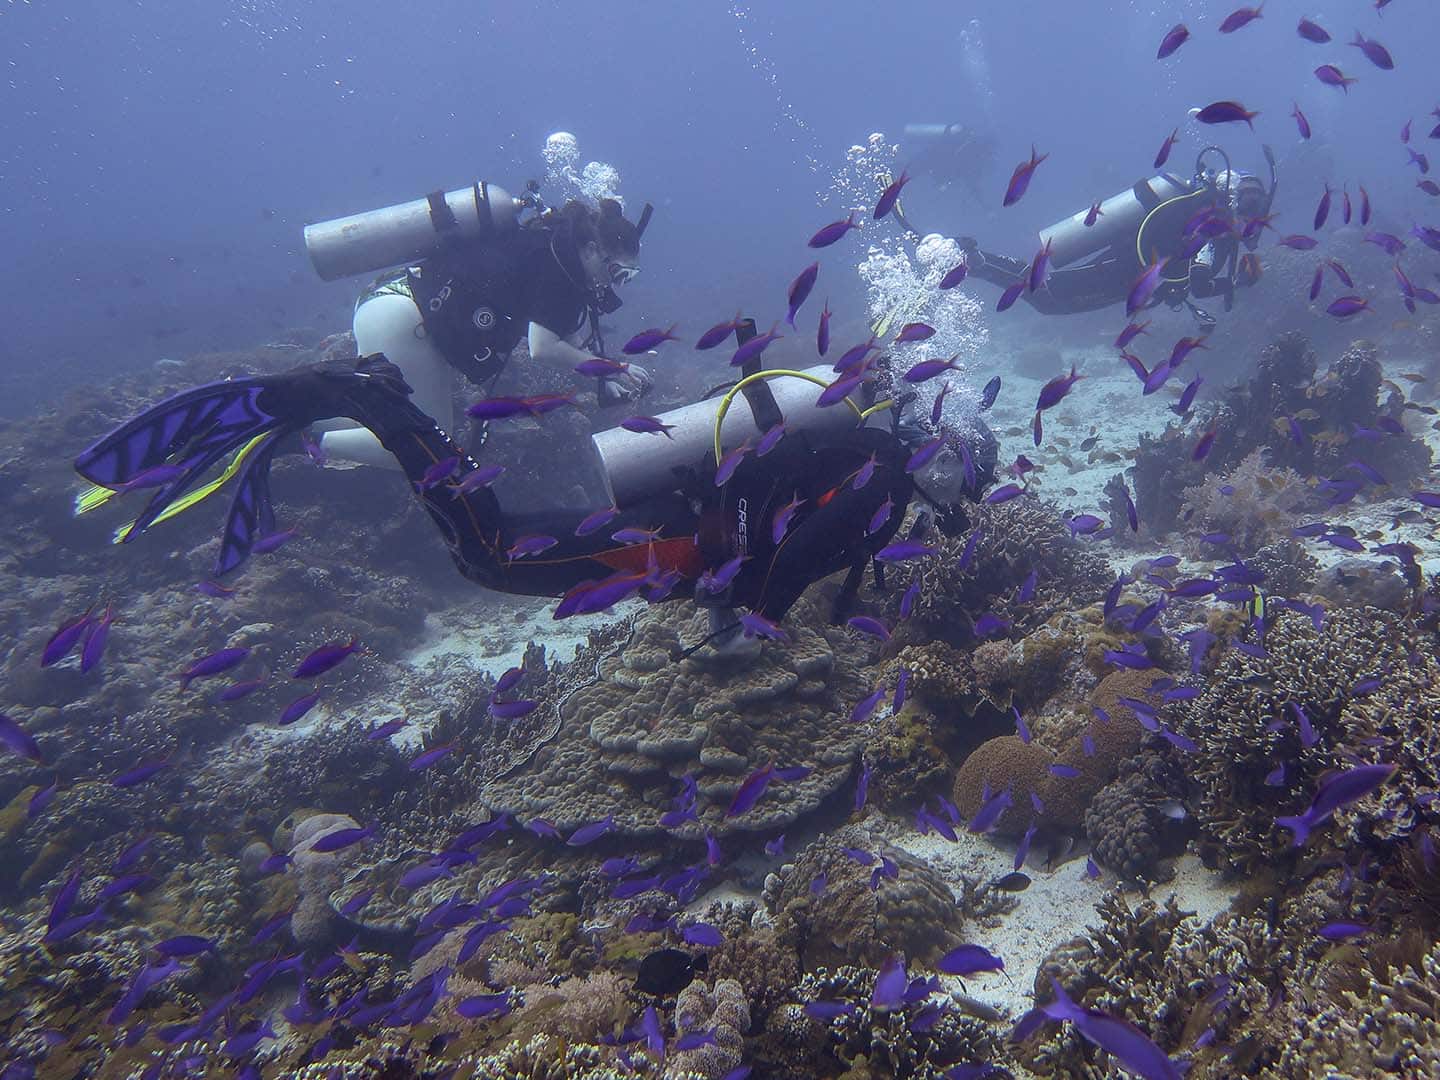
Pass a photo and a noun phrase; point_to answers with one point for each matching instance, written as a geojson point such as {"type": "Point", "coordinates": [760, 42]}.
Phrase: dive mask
{"type": "Point", "coordinates": [621, 273]}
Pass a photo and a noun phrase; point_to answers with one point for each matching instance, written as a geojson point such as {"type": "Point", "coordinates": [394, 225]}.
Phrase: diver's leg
{"type": "Point", "coordinates": [390, 323]}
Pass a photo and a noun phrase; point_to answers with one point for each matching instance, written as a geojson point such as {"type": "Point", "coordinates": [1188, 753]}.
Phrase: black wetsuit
{"type": "Point", "coordinates": [479, 299]}
{"type": "Point", "coordinates": [696, 530]}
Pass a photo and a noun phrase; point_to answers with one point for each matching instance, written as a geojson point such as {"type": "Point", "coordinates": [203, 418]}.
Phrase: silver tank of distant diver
{"type": "Point", "coordinates": [409, 231]}
{"type": "Point", "coordinates": [638, 466]}
{"type": "Point", "coordinates": [1072, 241]}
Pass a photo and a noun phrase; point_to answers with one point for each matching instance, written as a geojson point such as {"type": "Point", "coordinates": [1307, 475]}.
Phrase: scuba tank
{"type": "Point", "coordinates": [636, 466]}
{"type": "Point", "coordinates": [1071, 241]}
{"type": "Point", "coordinates": [408, 232]}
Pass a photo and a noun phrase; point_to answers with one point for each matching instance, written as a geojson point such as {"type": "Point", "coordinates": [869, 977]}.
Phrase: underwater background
{"type": "Point", "coordinates": [1053, 852]}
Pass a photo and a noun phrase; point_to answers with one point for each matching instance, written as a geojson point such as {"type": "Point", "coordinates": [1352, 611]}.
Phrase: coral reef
{"type": "Point", "coordinates": [626, 740]}
{"type": "Point", "coordinates": [872, 1041]}
{"type": "Point", "coordinates": [1252, 503]}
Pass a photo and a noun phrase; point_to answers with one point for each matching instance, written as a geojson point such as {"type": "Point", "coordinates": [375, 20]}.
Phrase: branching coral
{"type": "Point", "coordinates": [1246, 728]}
{"type": "Point", "coordinates": [873, 1041]}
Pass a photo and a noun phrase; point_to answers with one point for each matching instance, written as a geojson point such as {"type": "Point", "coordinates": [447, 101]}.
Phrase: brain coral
{"type": "Point", "coordinates": [626, 738]}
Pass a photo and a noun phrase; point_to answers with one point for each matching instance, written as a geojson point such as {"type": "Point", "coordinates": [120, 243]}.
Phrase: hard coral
{"type": "Point", "coordinates": [826, 906]}
{"type": "Point", "coordinates": [722, 1010]}
{"type": "Point", "coordinates": [872, 1041]}
{"type": "Point", "coordinates": [1251, 503]}
{"type": "Point", "coordinates": [627, 739]}
{"type": "Point", "coordinates": [1245, 727]}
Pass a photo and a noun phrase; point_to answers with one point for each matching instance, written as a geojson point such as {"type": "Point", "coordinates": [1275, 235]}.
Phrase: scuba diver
{"type": "Point", "coordinates": [1096, 254]}
{"type": "Point", "coordinates": [479, 270]}
{"type": "Point", "coordinates": [950, 154]}
{"type": "Point", "coordinates": [684, 520]}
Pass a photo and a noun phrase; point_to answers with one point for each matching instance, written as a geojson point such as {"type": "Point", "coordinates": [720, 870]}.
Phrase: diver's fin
{"type": "Point", "coordinates": [185, 502]}
{"type": "Point", "coordinates": [206, 423]}
{"type": "Point", "coordinates": [251, 515]}
{"type": "Point", "coordinates": [224, 411]}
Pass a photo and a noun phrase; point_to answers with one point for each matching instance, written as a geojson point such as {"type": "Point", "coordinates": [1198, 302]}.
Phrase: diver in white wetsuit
{"type": "Point", "coordinates": [468, 304]}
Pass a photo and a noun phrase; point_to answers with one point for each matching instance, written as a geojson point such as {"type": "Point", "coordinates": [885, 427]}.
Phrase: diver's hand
{"type": "Point", "coordinates": [620, 389]}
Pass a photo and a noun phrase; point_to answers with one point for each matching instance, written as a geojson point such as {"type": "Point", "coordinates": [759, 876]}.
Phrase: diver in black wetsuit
{"type": "Point", "coordinates": [1094, 265]}
{"type": "Point", "coordinates": [694, 527]}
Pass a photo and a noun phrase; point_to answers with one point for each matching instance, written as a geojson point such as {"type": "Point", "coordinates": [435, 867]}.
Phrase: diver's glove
{"type": "Point", "coordinates": [620, 389]}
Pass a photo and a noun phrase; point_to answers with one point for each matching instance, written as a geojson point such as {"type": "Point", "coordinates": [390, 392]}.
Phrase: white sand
{"type": "Point", "coordinates": [1055, 908]}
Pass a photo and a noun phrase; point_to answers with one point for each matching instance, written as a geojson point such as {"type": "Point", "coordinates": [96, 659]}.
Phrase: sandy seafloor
{"type": "Point", "coordinates": [490, 632]}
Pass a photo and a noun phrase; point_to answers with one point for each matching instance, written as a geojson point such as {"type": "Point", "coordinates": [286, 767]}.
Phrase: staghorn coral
{"type": "Point", "coordinates": [874, 1042]}
{"type": "Point", "coordinates": [1252, 503]}
{"type": "Point", "coordinates": [626, 739]}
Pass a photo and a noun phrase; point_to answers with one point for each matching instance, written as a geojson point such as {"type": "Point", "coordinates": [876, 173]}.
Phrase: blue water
{"type": "Point", "coordinates": [158, 159]}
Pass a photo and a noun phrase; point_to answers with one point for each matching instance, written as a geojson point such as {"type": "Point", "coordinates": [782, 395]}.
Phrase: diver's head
{"type": "Point", "coordinates": [947, 484]}
{"type": "Point", "coordinates": [1248, 198]}
{"type": "Point", "coordinates": [608, 245]}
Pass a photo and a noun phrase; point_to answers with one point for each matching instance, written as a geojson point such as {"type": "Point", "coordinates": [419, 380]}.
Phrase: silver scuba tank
{"type": "Point", "coordinates": [637, 466]}
{"type": "Point", "coordinates": [1071, 240]}
{"type": "Point", "coordinates": [409, 231]}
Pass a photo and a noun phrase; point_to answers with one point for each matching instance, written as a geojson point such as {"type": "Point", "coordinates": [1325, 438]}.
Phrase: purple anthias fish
{"type": "Point", "coordinates": [96, 635]}
{"type": "Point", "coordinates": [388, 728]}
{"type": "Point", "coordinates": [1337, 790]}
{"type": "Point", "coordinates": [903, 550]}
{"type": "Point", "coordinates": [1240, 17]}
{"type": "Point", "coordinates": [511, 710]}
{"type": "Point", "coordinates": [1299, 242]}
{"type": "Point", "coordinates": [868, 625]}
{"type": "Point", "coordinates": [1164, 153]}
{"type": "Point", "coordinates": [213, 664]}
{"type": "Point", "coordinates": [477, 479]}
{"type": "Point", "coordinates": [822, 330]}
{"type": "Point", "coordinates": [866, 706]}
{"type": "Point", "coordinates": [718, 333]}
{"type": "Point", "coordinates": [324, 658]}
{"type": "Point", "coordinates": [1204, 444]}
{"type": "Point", "coordinates": [890, 985]}
{"type": "Point", "coordinates": [752, 349]}
{"type": "Point", "coordinates": [1343, 931]}
{"type": "Point", "coordinates": [503, 408]}
{"type": "Point", "coordinates": [1312, 31]}
{"type": "Point", "coordinates": [1144, 287]}
{"type": "Point", "coordinates": [65, 638]}
{"type": "Point", "coordinates": [955, 276]}
{"type": "Point", "coordinates": [1131, 1047]}
{"type": "Point", "coordinates": [988, 816]}
{"type": "Point", "coordinates": [915, 331]}
{"type": "Point", "coordinates": [969, 960]}
{"type": "Point", "coordinates": [829, 234]}
{"type": "Point", "coordinates": [729, 463]}
{"type": "Point", "coordinates": [800, 290]}
{"type": "Point", "coordinates": [1054, 391]}
{"type": "Point", "coordinates": [340, 839]}
{"type": "Point", "coordinates": [647, 339]}
{"type": "Point", "coordinates": [137, 775]}
{"type": "Point", "coordinates": [1009, 296]}
{"type": "Point", "coordinates": [770, 439]}
{"type": "Point", "coordinates": [1331, 75]}
{"type": "Point", "coordinates": [236, 691]}
{"type": "Point", "coordinates": [1021, 177]}
{"type": "Point", "coordinates": [925, 454]}
{"type": "Point", "coordinates": [647, 425]}
{"type": "Point", "coordinates": [597, 367]}
{"type": "Point", "coordinates": [531, 544]}
{"type": "Point", "coordinates": [890, 196]}
{"type": "Point", "coordinates": [1376, 53]}
{"type": "Point", "coordinates": [586, 834]}
{"type": "Point", "coordinates": [431, 757]}
{"type": "Point", "coordinates": [438, 473]}
{"type": "Point", "coordinates": [881, 517]}
{"type": "Point", "coordinates": [298, 708]}
{"type": "Point", "coordinates": [1347, 306]}
{"type": "Point", "coordinates": [17, 740]}
{"type": "Point", "coordinates": [1226, 112]}
{"type": "Point", "coordinates": [1300, 121]}
{"type": "Point", "coordinates": [1039, 269]}
{"type": "Point", "coordinates": [703, 935]}
{"type": "Point", "coordinates": [1173, 39]}
{"type": "Point", "coordinates": [780, 523]}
